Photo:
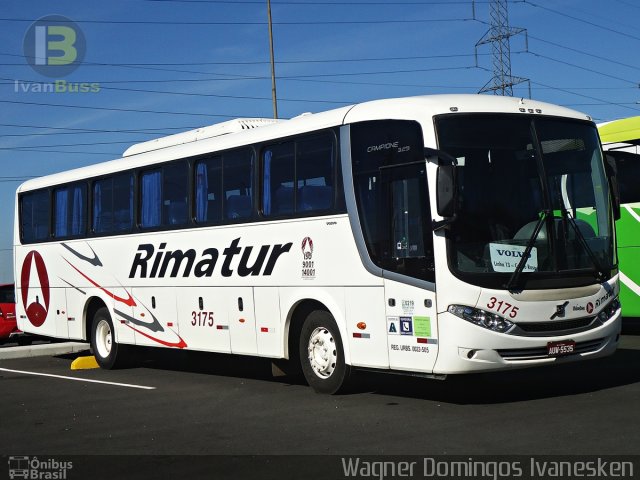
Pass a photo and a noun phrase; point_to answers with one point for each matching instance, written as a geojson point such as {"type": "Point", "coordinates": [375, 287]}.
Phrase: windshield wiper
{"type": "Point", "coordinates": [513, 280]}
{"type": "Point", "coordinates": [599, 270]}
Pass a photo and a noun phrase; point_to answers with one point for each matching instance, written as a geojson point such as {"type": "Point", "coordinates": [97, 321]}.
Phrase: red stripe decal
{"type": "Point", "coordinates": [423, 340]}
{"type": "Point", "coordinates": [180, 344]}
{"type": "Point", "coordinates": [127, 301]}
{"type": "Point", "coordinates": [357, 335]}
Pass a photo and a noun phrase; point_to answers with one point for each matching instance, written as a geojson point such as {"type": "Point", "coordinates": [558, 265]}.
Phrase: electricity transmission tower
{"type": "Point", "coordinates": [498, 36]}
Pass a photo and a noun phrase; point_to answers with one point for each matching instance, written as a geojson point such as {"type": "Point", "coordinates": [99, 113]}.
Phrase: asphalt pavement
{"type": "Point", "coordinates": [190, 403]}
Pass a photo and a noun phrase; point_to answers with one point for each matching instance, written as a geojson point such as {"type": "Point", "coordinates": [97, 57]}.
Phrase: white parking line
{"type": "Point", "coordinates": [77, 379]}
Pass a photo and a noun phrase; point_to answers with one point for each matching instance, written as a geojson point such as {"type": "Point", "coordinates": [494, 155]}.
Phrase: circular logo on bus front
{"type": "Point", "coordinates": [589, 307]}
{"type": "Point", "coordinates": [36, 310]}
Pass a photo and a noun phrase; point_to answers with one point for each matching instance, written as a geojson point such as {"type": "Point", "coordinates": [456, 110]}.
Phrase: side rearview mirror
{"type": "Point", "coordinates": [612, 175]}
{"type": "Point", "coordinates": [446, 186]}
{"type": "Point", "coordinates": [446, 194]}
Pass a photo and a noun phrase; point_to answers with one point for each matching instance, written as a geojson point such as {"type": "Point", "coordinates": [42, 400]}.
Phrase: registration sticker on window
{"type": "Point", "coordinates": [505, 258]}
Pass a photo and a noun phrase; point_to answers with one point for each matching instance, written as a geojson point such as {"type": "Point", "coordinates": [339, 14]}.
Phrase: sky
{"type": "Point", "coordinates": [157, 67]}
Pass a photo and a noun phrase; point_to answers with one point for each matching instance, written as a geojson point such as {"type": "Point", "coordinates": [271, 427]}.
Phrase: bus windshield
{"type": "Point", "coordinates": [531, 187]}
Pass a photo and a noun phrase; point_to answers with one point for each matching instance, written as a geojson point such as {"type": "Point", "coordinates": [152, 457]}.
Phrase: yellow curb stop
{"type": "Point", "coordinates": [84, 363]}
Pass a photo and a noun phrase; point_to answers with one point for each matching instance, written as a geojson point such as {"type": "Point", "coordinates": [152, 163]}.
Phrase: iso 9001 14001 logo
{"type": "Point", "coordinates": [308, 267]}
{"type": "Point", "coordinates": [40, 469]}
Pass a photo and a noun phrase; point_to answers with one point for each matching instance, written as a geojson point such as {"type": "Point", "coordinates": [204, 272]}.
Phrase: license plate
{"type": "Point", "coordinates": [557, 349]}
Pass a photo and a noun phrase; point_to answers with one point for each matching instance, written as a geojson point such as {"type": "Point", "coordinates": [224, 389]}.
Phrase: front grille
{"type": "Point", "coordinates": [541, 352]}
{"type": "Point", "coordinates": [570, 326]}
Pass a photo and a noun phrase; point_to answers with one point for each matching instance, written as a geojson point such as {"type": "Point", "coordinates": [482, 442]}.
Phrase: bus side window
{"type": "Point", "coordinates": [278, 179]}
{"type": "Point", "coordinates": [34, 216]}
{"type": "Point", "coordinates": [237, 191]}
{"type": "Point", "coordinates": [113, 204]}
{"type": "Point", "coordinates": [628, 165]}
{"type": "Point", "coordinates": [70, 211]}
{"type": "Point", "coordinates": [150, 192]}
{"type": "Point", "coordinates": [175, 185]}
{"type": "Point", "coordinates": [208, 190]}
{"type": "Point", "coordinates": [314, 172]}
{"type": "Point", "coordinates": [163, 196]}
{"type": "Point", "coordinates": [298, 176]}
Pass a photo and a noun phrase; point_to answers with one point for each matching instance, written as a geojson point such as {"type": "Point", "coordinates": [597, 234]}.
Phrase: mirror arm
{"type": "Point", "coordinates": [440, 224]}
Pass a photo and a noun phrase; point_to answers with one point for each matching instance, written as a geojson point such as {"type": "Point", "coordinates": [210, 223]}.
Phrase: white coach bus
{"type": "Point", "coordinates": [430, 235]}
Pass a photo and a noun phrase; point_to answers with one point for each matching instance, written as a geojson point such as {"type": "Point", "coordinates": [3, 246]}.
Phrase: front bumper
{"type": "Point", "coordinates": [465, 347]}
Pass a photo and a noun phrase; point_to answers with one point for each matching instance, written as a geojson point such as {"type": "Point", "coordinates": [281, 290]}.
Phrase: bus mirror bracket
{"type": "Point", "coordinates": [446, 186]}
{"type": "Point", "coordinates": [612, 175]}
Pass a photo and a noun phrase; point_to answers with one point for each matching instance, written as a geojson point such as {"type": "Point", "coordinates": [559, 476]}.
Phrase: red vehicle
{"type": "Point", "coordinates": [8, 327]}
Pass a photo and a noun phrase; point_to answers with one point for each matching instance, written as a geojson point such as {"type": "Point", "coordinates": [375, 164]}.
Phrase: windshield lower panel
{"type": "Point", "coordinates": [528, 183]}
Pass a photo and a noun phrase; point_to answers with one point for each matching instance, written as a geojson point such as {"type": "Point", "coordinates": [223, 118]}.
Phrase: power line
{"type": "Point", "coordinates": [586, 53]}
{"type": "Point", "coordinates": [214, 95]}
{"type": "Point", "coordinates": [528, 2]}
{"type": "Point", "coordinates": [563, 62]}
{"type": "Point", "coordinates": [335, 3]}
{"type": "Point", "coordinates": [149, 131]}
{"type": "Point", "coordinates": [627, 4]}
{"type": "Point", "coordinates": [252, 62]}
{"type": "Point", "coordinates": [16, 179]}
{"type": "Point", "coordinates": [27, 147]}
{"type": "Point", "coordinates": [114, 109]}
{"type": "Point", "coordinates": [571, 92]}
{"type": "Point", "coordinates": [202, 23]}
{"type": "Point", "coordinates": [50, 134]}
{"type": "Point", "coordinates": [60, 151]}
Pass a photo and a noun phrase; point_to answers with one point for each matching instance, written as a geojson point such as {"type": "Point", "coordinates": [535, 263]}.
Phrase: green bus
{"type": "Point", "coordinates": [621, 140]}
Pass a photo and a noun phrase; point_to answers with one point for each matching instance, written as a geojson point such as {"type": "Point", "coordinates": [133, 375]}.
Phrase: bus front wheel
{"type": "Point", "coordinates": [322, 353]}
{"type": "Point", "coordinates": [108, 353]}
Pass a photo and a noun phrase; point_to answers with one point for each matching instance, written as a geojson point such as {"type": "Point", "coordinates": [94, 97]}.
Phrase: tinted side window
{"type": "Point", "coordinates": [163, 196]}
{"type": "Point", "coordinates": [278, 179]}
{"type": "Point", "coordinates": [237, 173]}
{"type": "Point", "coordinates": [175, 185]}
{"type": "Point", "coordinates": [7, 294]}
{"type": "Point", "coordinates": [208, 190]}
{"type": "Point", "coordinates": [34, 216]}
{"type": "Point", "coordinates": [113, 204]}
{"type": "Point", "coordinates": [70, 211]}
{"type": "Point", "coordinates": [628, 165]}
{"type": "Point", "coordinates": [392, 197]}
{"type": "Point", "coordinates": [151, 198]}
{"type": "Point", "coordinates": [298, 176]}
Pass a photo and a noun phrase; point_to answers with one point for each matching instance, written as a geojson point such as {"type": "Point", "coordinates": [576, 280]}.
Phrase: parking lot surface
{"type": "Point", "coordinates": [180, 403]}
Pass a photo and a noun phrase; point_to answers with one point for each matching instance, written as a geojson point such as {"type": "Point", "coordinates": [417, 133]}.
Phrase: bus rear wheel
{"type": "Point", "coordinates": [108, 353]}
{"type": "Point", "coordinates": [322, 353]}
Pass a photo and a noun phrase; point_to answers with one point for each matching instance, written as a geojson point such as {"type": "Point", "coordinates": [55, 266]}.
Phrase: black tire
{"type": "Point", "coordinates": [322, 353]}
{"type": "Point", "coordinates": [108, 353]}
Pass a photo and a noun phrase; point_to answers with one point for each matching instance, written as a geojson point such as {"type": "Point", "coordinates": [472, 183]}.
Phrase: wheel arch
{"type": "Point", "coordinates": [298, 311]}
{"type": "Point", "coordinates": [92, 305]}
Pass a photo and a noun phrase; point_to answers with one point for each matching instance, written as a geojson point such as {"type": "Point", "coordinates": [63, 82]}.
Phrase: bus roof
{"type": "Point", "coordinates": [626, 130]}
{"type": "Point", "coordinates": [235, 133]}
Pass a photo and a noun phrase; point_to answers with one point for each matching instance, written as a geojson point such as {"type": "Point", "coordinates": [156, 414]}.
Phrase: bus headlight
{"type": "Point", "coordinates": [488, 320]}
{"type": "Point", "coordinates": [610, 310]}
